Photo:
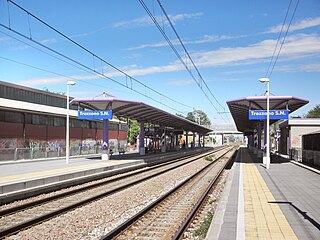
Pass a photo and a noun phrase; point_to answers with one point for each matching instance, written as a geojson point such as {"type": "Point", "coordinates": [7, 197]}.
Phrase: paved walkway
{"type": "Point", "coordinates": [279, 203]}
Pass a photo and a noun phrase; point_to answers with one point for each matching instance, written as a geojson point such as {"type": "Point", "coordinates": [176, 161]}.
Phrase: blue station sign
{"type": "Point", "coordinates": [99, 114]}
{"type": "Point", "coordinates": [273, 114]}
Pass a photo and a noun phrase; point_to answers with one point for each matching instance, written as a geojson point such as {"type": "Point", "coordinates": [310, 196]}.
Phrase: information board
{"type": "Point", "coordinates": [273, 114]}
{"type": "Point", "coordinates": [99, 114]}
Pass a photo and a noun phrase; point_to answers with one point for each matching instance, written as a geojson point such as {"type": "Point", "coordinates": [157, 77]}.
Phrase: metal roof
{"type": "Point", "coordinates": [239, 109]}
{"type": "Point", "coordinates": [139, 111]}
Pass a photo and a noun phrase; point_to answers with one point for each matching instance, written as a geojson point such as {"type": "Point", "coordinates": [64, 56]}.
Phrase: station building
{"type": "Point", "coordinates": [311, 149]}
{"type": "Point", "coordinates": [33, 122]}
{"type": "Point", "coordinates": [291, 135]}
{"type": "Point", "coordinates": [33, 125]}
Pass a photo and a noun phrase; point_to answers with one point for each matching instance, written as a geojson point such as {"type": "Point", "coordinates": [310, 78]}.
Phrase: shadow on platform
{"type": "Point", "coordinates": [302, 213]}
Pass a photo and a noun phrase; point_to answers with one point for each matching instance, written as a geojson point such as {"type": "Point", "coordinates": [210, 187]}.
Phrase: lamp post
{"type": "Point", "coordinates": [69, 83]}
{"type": "Point", "coordinates": [267, 80]}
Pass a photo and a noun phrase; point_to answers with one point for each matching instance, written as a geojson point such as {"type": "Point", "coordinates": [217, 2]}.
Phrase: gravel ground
{"type": "Point", "coordinates": [209, 209]}
{"type": "Point", "coordinates": [98, 218]}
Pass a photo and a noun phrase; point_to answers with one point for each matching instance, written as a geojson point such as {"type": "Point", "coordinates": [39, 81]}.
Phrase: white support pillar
{"type": "Point", "coordinates": [265, 143]}
{"type": "Point", "coordinates": [259, 140]}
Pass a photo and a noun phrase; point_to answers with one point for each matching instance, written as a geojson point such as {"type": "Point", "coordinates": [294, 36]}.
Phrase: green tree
{"type": "Point", "coordinates": [314, 113]}
{"type": "Point", "coordinates": [133, 131]}
{"type": "Point", "coordinates": [191, 117]}
{"type": "Point", "coordinates": [202, 118]}
{"type": "Point", "coordinates": [180, 115]}
{"type": "Point", "coordinates": [199, 117]}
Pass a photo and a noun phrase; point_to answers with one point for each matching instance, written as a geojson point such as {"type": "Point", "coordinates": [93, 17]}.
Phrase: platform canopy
{"type": "Point", "coordinates": [139, 111]}
{"type": "Point", "coordinates": [239, 109]}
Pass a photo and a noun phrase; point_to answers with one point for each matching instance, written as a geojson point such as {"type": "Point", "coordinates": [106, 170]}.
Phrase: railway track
{"type": "Point", "coordinates": [169, 216]}
{"type": "Point", "coordinates": [17, 218]}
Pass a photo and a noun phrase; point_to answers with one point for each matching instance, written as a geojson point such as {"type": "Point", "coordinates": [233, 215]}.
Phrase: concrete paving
{"type": "Point", "coordinates": [20, 179]}
{"type": "Point", "coordinates": [279, 203]}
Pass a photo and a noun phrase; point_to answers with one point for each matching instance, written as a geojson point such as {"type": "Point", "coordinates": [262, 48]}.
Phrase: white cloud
{"type": "Point", "coordinates": [54, 80]}
{"type": "Point", "coordinates": [296, 47]}
{"type": "Point", "coordinates": [153, 69]}
{"type": "Point", "coordinates": [181, 82]}
{"type": "Point", "coordinates": [48, 41]}
{"type": "Point", "coordinates": [146, 20]}
{"type": "Point", "coordinates": [204, 39]}
{"type": "Point", "coordinates": [183, 16]}
{"type": "Point", "coordinates": [4, 39]}
{"type": "Point", "coordinates": [85, 34]}
{"type": "Point", "coordinates": [302, 24]}
{"type": "Point", "coordinates": [313, 67]}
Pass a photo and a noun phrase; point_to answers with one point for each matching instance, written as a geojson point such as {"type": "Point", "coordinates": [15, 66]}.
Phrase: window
{"type": "Point", "coordinates": [59, 122]}
{"type": "Point", "coordinates": [14, 117]}
{"type": "Point", "coordinates": [2, 116]}
{"type": "Point", "coordinates": [75, 123]}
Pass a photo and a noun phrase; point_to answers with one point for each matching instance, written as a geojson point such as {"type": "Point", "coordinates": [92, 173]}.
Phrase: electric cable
{"type": "Point", "coordinates": [94, 56]}
{"type": "Point", "coordinates": [284, 38]}
{"type": "Point", "coordinates": [269, 72]}
{"type": "Point", "coordinates": [201, 80]}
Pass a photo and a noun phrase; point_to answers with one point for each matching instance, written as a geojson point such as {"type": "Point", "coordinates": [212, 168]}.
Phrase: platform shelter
{"type": "Point", "coordinates": [143, 113]}
{"type": "Point", "coordinates": [240, 108]}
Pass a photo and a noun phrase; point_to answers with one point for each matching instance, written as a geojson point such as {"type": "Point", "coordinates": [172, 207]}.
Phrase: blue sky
{"type": "Point", "coordinates": [231, 43]}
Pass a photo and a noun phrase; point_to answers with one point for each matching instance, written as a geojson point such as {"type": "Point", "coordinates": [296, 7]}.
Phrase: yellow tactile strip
{"type": "Point", "coordinates": [59, 171]}
{"type": "Point", "coordinates": [263, 220]}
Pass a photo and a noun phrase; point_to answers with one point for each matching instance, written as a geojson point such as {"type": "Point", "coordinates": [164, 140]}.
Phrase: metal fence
{"type": "Point", "coordinates": [295, 154]}
{"type": "Point", "coordinates": [7, 154]}
{"type": "Point", "coordinates": [311, 157]}
{"type": "Point", "coordinates": [306, 156]}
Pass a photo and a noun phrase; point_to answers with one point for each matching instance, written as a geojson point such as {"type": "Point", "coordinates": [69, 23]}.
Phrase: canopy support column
{"type": "Point", "coordinates": [259, 140]}
{"type": "Point", "coordinates": [193, 140]}
{"type": "Point", "coordinates": [142, 150]}
{"type": "Point", "coordinates": [187, 136]}
{"type": "Point", "coordinates": [203, 138]}
{"type": "Point", "coordinates": [105, 146]}
{"type": "Point", "coordinates": [163, 139]}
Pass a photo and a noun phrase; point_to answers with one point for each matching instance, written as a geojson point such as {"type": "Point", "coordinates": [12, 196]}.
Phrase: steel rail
{"type": "Point", "coordinates": [200, 203]}
{"type": "Point", "coordinates": [38, 219]}
{"type": "Point", "coordinates": [115, 232]}
{"type": "Point", "coordinates": [70, 192]}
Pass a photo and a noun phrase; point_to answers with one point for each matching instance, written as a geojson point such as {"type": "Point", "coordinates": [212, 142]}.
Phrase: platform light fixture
{"type": "Point", "coordinates": [267, 80]}
{"type": "Point", "coordinates": [69, 83]}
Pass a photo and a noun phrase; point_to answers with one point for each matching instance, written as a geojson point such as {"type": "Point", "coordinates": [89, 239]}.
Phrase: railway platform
{"type": "Point", "coordinates": [281, 202]}
{"type": "Point", "coordinates": [19, 179]}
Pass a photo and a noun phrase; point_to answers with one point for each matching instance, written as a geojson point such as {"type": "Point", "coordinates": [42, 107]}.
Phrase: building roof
{"type": "Point", "coordinates": [239, 109]}
{"type": "Point", "coordinates": [139, 111]}
{"type": "Point", "coordinates": [310, 122]}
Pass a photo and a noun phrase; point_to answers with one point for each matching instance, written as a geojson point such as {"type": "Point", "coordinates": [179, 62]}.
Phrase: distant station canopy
{"type": "Point", "coordinates": [239, 109]}
{"type": "Point", "coordinates": [139, 111]}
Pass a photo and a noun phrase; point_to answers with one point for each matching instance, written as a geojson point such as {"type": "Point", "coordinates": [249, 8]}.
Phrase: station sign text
{"type": "Point", "coordinates": [99, 114]}
{"type": "Point", "coordinates": [273, 114]}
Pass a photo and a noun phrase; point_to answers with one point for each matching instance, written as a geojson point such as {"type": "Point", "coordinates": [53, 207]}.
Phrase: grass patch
{"type": "Point", "coordinates": [202, 230]}
{"type": "Point", "coordinates": [208, 158]}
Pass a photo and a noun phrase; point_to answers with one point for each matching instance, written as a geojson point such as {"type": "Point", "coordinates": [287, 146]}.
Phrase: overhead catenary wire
{"type": "Point", "coordinates": [94, 56]}
{"type": "Point", "coordinates": [51, 72]}
{"type": "Point", "coordinates": [270, 71]}
{"type": "Point", "coordinates": [201, 80]}
{"type": "Point", "coordinates": [89, 68]}
{"type": "Point", "coordinates": [279, 37]}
